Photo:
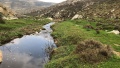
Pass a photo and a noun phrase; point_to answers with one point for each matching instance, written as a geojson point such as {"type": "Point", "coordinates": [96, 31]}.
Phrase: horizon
{"type": "Point", "coordinates": [54, 1]}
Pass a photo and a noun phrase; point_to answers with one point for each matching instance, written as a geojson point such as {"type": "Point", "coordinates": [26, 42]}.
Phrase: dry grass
{"type": "Point", "coordinates": [92, 51]}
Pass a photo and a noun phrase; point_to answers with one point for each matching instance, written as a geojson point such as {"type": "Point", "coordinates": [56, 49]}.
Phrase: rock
{"type": "Point", "coordinates": [6, 13]}
{"type": "Point", "coordinates": [112, 10]}
{"type": "Point", "coordinates": [116, 53]}
{"type": "Point", "coordinates": [57, 15]}
{"type": "Point", "coordinates": [1, 56]}
{"type": "Point", "coordinates": [50, 18]}
{"type": "Point", "coordinates": [115, 32]}
{"type": "Point", "coordinates": [77, 16]}
{"type": "Point", "coordinates": [10, 18]}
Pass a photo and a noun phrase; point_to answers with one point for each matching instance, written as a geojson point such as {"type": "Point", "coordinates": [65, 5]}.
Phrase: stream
{"type": "Point", "coordinates": [30, 51]}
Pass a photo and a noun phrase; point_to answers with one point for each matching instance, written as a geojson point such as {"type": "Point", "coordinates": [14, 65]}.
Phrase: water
{"type": "Point", "coordinates": [30, 51]}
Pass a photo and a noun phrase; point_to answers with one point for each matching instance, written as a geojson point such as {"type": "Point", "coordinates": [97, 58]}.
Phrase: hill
{"type": "Point", "coordinates": [85, 8]}
{"type": "Point", "coordinates": [25, 5]}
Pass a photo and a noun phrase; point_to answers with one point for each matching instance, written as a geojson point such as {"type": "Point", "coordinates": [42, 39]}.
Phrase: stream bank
{"type": "Point", "coordinates": [17, 28]}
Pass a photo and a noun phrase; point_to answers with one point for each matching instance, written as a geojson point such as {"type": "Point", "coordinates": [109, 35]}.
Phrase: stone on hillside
{"type": "Point", "coordinates": [77, 16]}
{"type": "Point", "coordinates": [10, 18]}
{"type": "Point", "coordinates": [50, 18]}
{"type": "Point", "coordinates": [57, 15]}
{"type": "Point", "coordinates": [112, 10]}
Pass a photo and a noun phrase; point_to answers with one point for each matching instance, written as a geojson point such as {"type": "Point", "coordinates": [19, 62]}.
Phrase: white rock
{"type": "Point", "coordinates": [115, 32]}
{"type": "Point", "coordinates": [50, 18]}
{"type": "Point", "coordinates": [10, 18]}
{"type": "Point", "coordinates": [77, 16]}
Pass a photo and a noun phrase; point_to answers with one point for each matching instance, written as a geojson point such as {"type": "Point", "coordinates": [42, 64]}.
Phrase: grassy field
{"type": "Point", "coordinates": [17, 28]}
{"type": "Point", "coordinates": [69, 34]}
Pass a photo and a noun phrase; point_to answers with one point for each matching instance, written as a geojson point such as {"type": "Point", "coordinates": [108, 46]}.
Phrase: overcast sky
{"type": "Point", "coordinates": [55, 1]}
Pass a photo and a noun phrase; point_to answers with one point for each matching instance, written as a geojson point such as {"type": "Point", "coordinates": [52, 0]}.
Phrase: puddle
{"type": "Point", "coordinates": [30, 51]}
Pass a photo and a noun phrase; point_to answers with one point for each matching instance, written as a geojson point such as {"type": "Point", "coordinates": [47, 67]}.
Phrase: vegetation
{"type": "Point", "coordinates": [17, 28]}
{"type": "Point", "coordinates": [74, 52]}
{"type": "Point", "coordinates": [92, 51]}
{"type": "Point", "coordinates": [1, 20]}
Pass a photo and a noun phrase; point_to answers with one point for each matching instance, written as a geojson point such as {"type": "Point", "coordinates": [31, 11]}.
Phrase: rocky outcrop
{"type": "Point", "coordinates": [6, 13]}
{"type": "Point", "coordinates": [102, 9]}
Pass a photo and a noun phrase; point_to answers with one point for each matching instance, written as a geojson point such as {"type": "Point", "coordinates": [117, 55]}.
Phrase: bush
{"type": "Point", "coordinates": [1, 21]}
{"type": "Point", "coordinates": [117, 27]}
{"type": "Point", "coordinates": [93, 52]}
{"type": "Point", "coordinates": [88, 27]}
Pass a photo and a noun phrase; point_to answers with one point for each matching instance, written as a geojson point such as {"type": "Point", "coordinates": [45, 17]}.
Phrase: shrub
{"type": "Point", "coordinates": [117, 27]}
{"type": "Point", "coordinates": [1, 21]}
{"type": "Point", "coordinates": [93, 52]}
{"type": "Point", "coordinates": [88, 27]}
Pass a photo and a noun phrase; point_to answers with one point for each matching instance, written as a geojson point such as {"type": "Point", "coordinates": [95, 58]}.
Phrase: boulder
{"type": "Point", "coordinates": [50, 18]}
{"type": "Point", "coordinates": [77, 16]}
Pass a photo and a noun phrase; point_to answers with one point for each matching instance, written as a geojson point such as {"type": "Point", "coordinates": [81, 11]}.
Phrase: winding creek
{"type": "Point", "coordinates": [30, 51]}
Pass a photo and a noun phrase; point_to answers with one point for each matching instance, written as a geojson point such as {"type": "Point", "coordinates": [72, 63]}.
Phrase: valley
{"type": "Point", "coordinates": [86, 32]}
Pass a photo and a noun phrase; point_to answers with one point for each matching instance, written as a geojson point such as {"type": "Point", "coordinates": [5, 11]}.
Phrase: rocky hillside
{"type": "Point", "coordinates": [83, 9]}
{"type": "Point", "coordinates": [102, 9]}
{"type": "Point", "coordinates": [25, 5]}
{"type": "Point", "coordinates": [4, 11]}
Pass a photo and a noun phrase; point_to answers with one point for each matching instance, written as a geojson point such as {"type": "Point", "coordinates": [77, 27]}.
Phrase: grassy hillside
{"type": "Point", "coordinates": [70, 36]}
{"type": "Point", "coordinates": [86, 42]}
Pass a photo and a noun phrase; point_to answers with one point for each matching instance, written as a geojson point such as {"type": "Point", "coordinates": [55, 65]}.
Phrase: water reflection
{"type": "Point", "coordinates": [28, 51]}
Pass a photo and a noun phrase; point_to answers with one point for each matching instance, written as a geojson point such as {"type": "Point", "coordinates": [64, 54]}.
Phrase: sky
{"type": "Point", "coordinates": [55, 1]}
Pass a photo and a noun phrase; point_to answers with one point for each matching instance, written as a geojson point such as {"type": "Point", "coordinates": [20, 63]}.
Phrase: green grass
{"type": "Point", "coordinates": [69, 34]}
{"type": "Point", "coordinates": [17, 28]}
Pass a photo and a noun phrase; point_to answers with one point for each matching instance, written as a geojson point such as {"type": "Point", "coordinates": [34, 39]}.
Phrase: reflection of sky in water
{"type": "Point", "coordinates": [28, 51]}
